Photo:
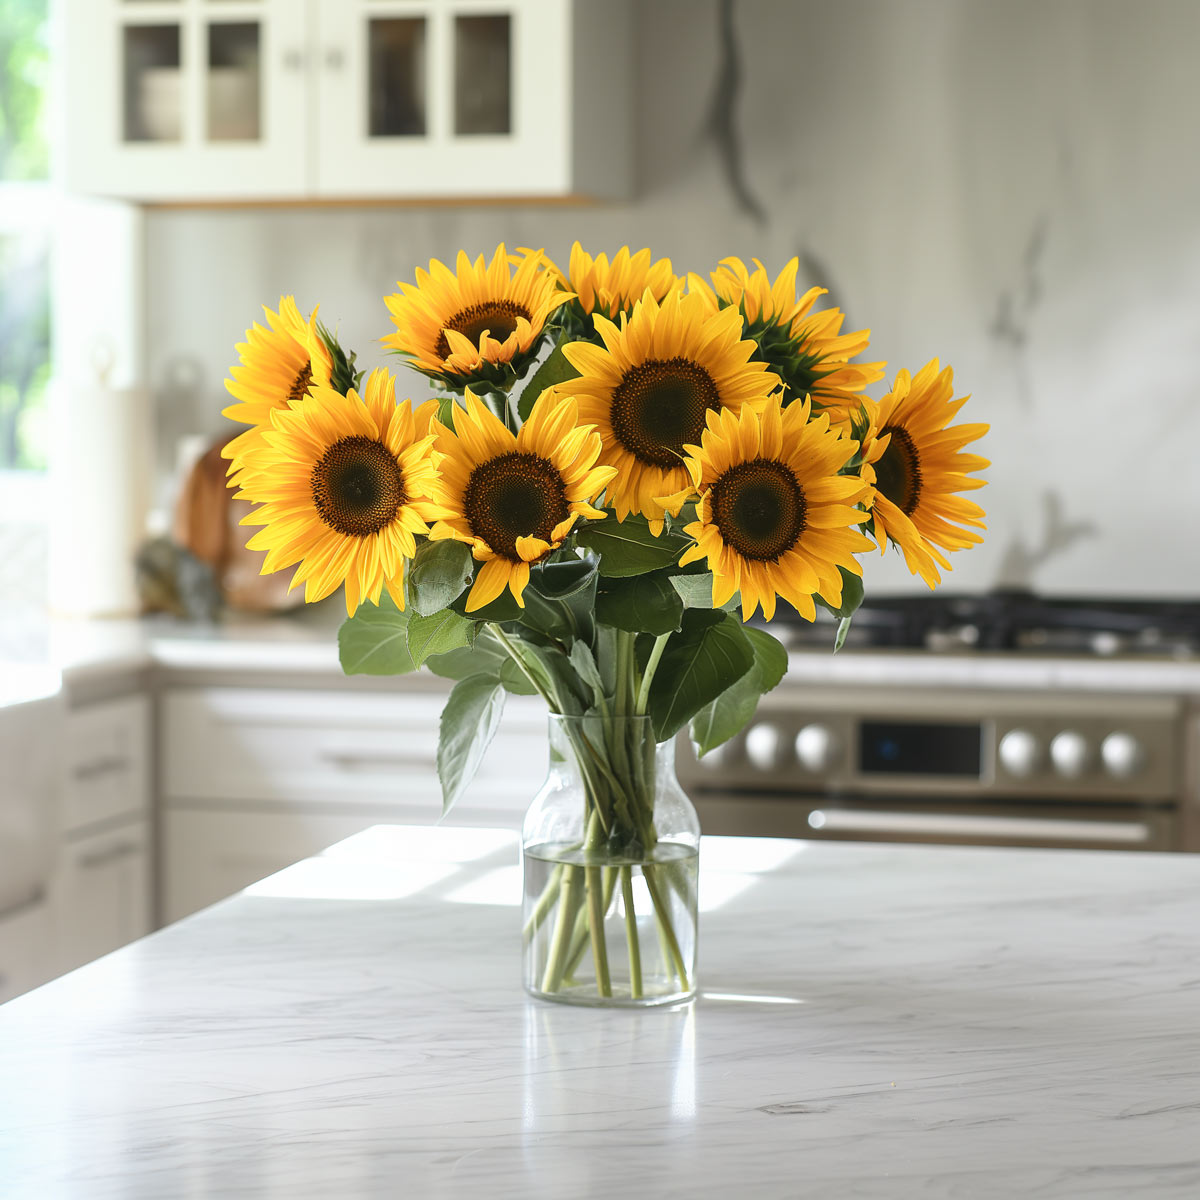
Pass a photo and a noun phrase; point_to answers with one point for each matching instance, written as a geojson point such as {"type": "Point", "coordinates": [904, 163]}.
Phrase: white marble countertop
{"type": "Point", "coordinates": [874, 1021]}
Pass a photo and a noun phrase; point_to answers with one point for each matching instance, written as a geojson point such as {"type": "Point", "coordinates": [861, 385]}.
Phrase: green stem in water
{"type": "Point", "coordinates": [596, 908]}
{"type": "Point", "coordinates": [663, 913]}
{"type": "Point", "coordinates": [568, 903]}
{"type": "Point", "coordinates": [631, 935]}
{"type": "Point", "coordinates": [643, 698]}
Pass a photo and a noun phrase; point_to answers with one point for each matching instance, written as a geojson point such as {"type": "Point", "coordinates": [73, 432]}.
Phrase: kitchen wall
{"type": "Point", "coordinates": [1012, 187]}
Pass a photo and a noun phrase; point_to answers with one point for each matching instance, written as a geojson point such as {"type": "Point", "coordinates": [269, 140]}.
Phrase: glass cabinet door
{"type": "Point", "coordinates": [443, 97]}
{"type": "Point", "coordinates": [194, 99]}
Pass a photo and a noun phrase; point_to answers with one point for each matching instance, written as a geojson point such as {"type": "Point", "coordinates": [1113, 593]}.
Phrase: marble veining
{"type": "Point", "coordinates": [875, 1021]}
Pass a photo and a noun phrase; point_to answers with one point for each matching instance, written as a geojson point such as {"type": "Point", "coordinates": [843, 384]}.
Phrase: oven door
{"type": "Point", "coordinates": [964, 822]}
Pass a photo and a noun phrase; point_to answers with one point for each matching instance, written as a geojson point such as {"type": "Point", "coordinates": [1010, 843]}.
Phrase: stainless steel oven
{"type": "Point", "coordinates": [931, 765]}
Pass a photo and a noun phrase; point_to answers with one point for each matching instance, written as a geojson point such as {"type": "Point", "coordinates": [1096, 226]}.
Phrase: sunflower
{"type": "Point", "coordinates": [276, 366]}
{"type": "Point", "coordinates": [608, 288]}
{"type": "Point", "coordinates": [776, 517]}
{"type": "Point", "coordinates": [913, 459]}
{"type": "Point", "coordinates": [479, 327]}
{"type": "Point", "coordinates": [649, 389]}
{"type": "Point", "coordinates": [806, 349]}
{"type": "Point", "coordinates": [514, 497]}
{"type": "Point", "coordinates": [343, 486]}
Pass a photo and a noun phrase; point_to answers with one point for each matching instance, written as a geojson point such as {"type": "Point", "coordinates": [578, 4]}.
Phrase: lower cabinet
{"type": "Point", "coordinates": [26, 930]}
{"type": "Point", "coordinates": [255, 779]}
{"type": "Point", "coordinates": [103, 893]}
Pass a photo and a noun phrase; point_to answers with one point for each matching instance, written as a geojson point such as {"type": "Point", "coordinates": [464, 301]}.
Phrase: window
{"type": "Point", "coordinates": [26, 214]}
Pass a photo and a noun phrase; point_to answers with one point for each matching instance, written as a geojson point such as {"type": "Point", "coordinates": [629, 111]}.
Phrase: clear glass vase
{"type": "Point", "coordinates": [610, 850]}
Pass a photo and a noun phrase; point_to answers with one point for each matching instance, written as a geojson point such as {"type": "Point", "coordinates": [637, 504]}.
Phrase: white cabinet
{"type": "Point", "coordinates": [255, 779]}
{"type": "Point", "coordinates": [343, 99]}
{"type": "Point", "coordinates": [104, 893]}
{"type": "Point", "coordinates": [102, 884]}
{"type": "Point", "coordinates": [166, 99]}
{"type": "Point", "coordinates": [26, 931]}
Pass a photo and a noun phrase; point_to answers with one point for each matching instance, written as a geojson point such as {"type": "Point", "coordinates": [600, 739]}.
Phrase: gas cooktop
{"type": "Point", "coordinates": [1013, 620]}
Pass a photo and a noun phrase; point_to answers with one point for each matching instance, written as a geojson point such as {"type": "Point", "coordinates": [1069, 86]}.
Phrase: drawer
{"type": "Point", "coordinates": [26, 946]}
{"type": "Point", "coordinates": [107, 762]}
{"type": "Point", "coordinates": [374, 751]}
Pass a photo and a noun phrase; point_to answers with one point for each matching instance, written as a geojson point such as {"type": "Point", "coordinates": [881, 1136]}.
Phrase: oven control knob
{"type": "Point", "coordinates": [1070, 753]}
{"type": "Point", "coordinates": [765, 747]}
{"type": "Point", "coordinates": [1122, 754]}
{"type": "Point", "coordinates": [816, 747]}
{"type": "Point", "coordinates": [1019, 752]}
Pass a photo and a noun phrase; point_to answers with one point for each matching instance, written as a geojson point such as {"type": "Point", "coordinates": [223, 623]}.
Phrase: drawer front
{"type": "Point", "coordinates": [108, 762]}
{"type": "Point", "coordinates": [26, 941]}
{"type": "Point", "coordinates": [376, 751]}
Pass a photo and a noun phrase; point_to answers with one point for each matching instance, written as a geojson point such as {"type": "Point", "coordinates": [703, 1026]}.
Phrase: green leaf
{"type": "Point", "coordinates": [708, 656]}
{"type": "Point", "coordinates": [556, 369]}
{"type": "Point", "coordinates": [852, 595]}
{"type": "Point", "coordinates": [438, 634]}
{"type": "Point", "coordinates": [694, 590]}
{"type": "Point", "coordinates": [375, 641]}
{"type": "Point", "coordinates": [641, 604]}
{"type": "Point", "coordinates": [446, 408]}
{"type": "Point", "coordinates": [560, 600]}
{"type": "Point", "coordinates": [843, 628]}
{"type": "Point", "coordinates": [499, 611]}
{"type": "Point", "coordinates": [439, 573]}
{"type": "Point", "coordinates": [469, 722]}
{"type": "Point", "coordinates": [585, 666]}
{"type": "Point", "coordinates": [629, 548]}
{"type": "Point", "coordinates": [770, 657]}
{"type": "Point", "coordinates": [486, 659]}
{"type": "Point", "coordinates": [728, 714]}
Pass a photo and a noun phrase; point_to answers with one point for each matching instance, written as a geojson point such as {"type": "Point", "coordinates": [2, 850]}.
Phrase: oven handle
{"type": "Point", "coordinates": [867, 821]}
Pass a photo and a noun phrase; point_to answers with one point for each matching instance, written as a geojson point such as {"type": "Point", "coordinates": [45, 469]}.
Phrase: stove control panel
{"type": "Point", "coordinates": [907, 741]}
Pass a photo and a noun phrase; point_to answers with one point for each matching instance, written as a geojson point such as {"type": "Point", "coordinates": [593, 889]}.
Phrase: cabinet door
{"type": "Point", "coordinates": [210, 855]}
{"type": "Point", "coordinates": [107, 761]}
{"type": "Point", "coordinates": [103, 899]}
{"type": "Point", "coordinates": [26, 936]}
{"type": "Point", "coordinates": [186, 99]}
{"type": "Point", "coordinates": [337, 750]}
{"type": "Point", "coordinates": [443, 97]}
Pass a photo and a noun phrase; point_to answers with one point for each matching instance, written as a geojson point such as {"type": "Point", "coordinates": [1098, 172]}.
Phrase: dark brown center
{"type": "Point", "coordinates": [358, 486]}
{"type": "Point", "coordinates": [299, 388]}
{"type": "Point", "coordinates": [659, 406]}
{"type": "Point", "coordinates": [496, 318]}
{"type": "Point", "coordinates": [515, 495]}
{"type": "Point", "coordinates": [758, 508]}
{"type": "Point", "coordinates": [898, 471]}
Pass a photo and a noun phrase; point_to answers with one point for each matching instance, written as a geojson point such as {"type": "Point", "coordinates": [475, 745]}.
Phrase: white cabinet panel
{"type": "Point", "coordinates": [337, 750]}
{"type": "Point", "coordinates": [186, 99]}
{"type": "Point", "coordinates": [211, 855]}
{"type": "Point", "coordinates": [26, 939]}
{"type": "Point", "coordinates": [200, 100]}
{"type": "Point", "coordinates": [107, 762]}
{"type": "Point", "coordinates": [104, 893]}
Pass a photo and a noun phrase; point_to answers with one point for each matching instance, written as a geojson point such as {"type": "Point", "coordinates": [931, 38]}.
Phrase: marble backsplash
{"type": "Point", "coordinates": [1012, 187]}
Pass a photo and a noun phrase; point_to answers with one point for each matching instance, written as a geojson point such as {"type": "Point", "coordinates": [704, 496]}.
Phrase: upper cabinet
{"type": "Point", "coordinates": [229, 100]}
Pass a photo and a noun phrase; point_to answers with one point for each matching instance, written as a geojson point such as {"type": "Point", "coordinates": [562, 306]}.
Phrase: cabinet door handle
{"type": "Point", "coordinates": [101, 858]}
{"type": "Point", "coordinates": [26, 902]}
{"type": "Point", "coordinates": [101, 766]}
{"type": "Point", "coordinates": [335, 58]}
{"type": "Point", "coordinates": [362, 761]}
{"type": "Point", "coordinates": [295, 59]}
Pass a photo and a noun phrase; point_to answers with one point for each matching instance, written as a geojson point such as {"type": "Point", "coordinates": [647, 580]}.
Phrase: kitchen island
{"type": "Point", "coordinates": [873, 1021]}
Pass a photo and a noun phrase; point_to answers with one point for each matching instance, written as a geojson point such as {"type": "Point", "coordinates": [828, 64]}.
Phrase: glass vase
{"type": "Point", "coordinates": [610, 850]}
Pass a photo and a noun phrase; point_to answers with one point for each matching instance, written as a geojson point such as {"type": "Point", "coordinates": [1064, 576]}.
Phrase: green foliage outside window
{"type": "Point", "coordinates": [24, 252]}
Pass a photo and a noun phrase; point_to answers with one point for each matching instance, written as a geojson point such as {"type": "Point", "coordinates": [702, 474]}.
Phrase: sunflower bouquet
{"type": "Point", "coordinates": [617, 467]}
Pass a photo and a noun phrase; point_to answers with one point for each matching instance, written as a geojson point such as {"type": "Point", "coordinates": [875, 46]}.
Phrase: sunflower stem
{"type": "Point", "coordinates": [643, 698]}
{"type": "Point", "coordinates": [512, 653]}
